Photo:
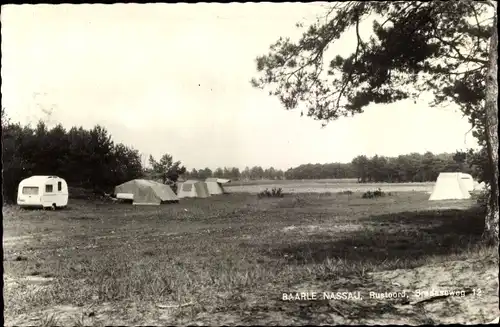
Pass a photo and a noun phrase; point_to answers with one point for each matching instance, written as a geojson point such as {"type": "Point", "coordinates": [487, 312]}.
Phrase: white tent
{"type": "Point", "coordinates": [468, 181]}
{"type": "Point", "coordinates": [215, 185]}
{"type": "Point", "coordinates": [479, 186]}
{"type": "Point", "coordinates": [193, 189]}
{"type": "Point", "coordinates": [449, 186]}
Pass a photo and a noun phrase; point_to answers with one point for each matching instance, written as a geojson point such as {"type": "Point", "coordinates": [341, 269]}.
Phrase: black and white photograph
{"type": "Point", "coordinates": [254, 163]}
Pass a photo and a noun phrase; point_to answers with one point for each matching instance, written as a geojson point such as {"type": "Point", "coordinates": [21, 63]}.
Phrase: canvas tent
{"type": "Point", "coordinates": [479, 186]}
{"type": "Point", "coordinates": [215, 185]}
{"type": "Point", "coordinates": [449, 186]}
{"type": "Point", "coordinates": [145, 192]}
{"type": "Point", "coordinates": [193, 189]}
{"type": "Point", "coordinates": [468, 181]}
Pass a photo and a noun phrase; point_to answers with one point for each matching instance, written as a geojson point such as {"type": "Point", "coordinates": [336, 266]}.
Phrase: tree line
{"type": "Point", "coordinates": [90, 159]}
{"type": "Point", "coordinates": [412, 167]}
{"type": "Point", "coordinates": [84, 158]}
{"type": "Point", "coordinates": [256, 172]}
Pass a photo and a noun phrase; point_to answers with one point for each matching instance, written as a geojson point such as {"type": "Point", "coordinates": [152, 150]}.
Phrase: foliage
{"type": "Point", "coordinates": [235, 174]}
{"type": "Point", "coordinates": [274, 193]}
{"type": "Point", "coordinates": [84, 158]}
{"type": "Point", "coordinates": [166, 170]}
{"type": "Point", "coordinates": [413, 167]}
{"type": "Point", "coordinates": [483, 198]}
{"type": "Point", "coordinates": [477, 161]}
{"type": "Point", "coordinates": [374, 194]}
{"type": "Point", "coordinates": [439, 47]}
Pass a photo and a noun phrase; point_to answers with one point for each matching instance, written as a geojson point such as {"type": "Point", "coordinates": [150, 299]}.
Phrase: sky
{"type": "Point", "coordinates": [175, 78]}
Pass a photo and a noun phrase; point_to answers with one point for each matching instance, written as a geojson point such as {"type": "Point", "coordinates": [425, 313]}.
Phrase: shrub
{"type": "Point", "coordinates": [374, 194]}
{"type": "Point", "coordinates": [483, 197]}
{"type": "Point", "coordinates": [274, 193]}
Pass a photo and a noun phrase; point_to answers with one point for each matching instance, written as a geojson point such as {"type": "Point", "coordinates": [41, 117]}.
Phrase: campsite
{"type": "Point", "coordinates": [230, 256]}
{"type": "Point", "coordinates": [316, 163]}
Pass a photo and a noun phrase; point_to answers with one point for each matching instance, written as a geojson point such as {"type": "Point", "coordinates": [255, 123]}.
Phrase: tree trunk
{"type": "Point", "coordinates": [491, 111]}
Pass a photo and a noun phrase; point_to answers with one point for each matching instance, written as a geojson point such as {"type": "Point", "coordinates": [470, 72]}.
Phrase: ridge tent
{"type": "Point", "coordinates": [145, 192]}
{"type": "Point", "coordinates": [193, 189]}
{"type": "Point", "coordinates": [449, 186]}
{"type": "Point", "coordinates": [215, 185]}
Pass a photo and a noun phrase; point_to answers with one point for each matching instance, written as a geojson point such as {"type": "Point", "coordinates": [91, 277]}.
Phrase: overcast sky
{"type": "Point", "coordinates": [175, 78]}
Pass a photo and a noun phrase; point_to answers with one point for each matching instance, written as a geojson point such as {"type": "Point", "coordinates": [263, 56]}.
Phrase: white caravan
{"type": "Point", "coordinates": [43, 191]}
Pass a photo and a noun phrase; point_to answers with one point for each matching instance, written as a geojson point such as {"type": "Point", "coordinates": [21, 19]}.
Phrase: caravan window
{"type": "Point", "coordinates": [59, 186]}
{"type": "Point", "coordinates": [49, 188]}
{"type": "Point", "coordinates": [30, 190]}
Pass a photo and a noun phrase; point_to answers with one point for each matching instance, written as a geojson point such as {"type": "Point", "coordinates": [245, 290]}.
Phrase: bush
{"type": "Point", "coordinates": [375, 194]}
{"type": "Point", "coordinates": [483, 197]}
{"type": "Point", "coordinates": [274, 193]}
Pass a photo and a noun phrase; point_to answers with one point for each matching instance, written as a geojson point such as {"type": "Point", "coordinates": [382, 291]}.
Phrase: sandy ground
{"type": "Point", "coordinates": [480, 305]}
{"type": "Point", "coordinates": [314, 229]}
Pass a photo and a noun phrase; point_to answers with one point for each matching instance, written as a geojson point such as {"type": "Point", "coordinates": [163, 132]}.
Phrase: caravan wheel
{"type": "Point", "coordinates": [53, 207]}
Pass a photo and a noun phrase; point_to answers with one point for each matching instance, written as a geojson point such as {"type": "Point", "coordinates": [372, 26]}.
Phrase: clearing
{"type": "Point", "coordinates": [324, 186]}
{"type": "Point", "coordinates": [228, 259]}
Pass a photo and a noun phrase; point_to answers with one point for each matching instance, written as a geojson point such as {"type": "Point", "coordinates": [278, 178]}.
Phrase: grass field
{"type": "Point", "coordinates": [324, 186]}
{"type": "Point", "coordinates": [293, 181]}
{"type": "Point", "coordinates": [228, 259]}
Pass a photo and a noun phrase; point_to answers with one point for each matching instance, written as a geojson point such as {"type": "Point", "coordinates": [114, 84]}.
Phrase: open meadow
{"type": "Point", "coordinates": [325, 186]}
{"type": "Point", "coordinates": [228, 259]}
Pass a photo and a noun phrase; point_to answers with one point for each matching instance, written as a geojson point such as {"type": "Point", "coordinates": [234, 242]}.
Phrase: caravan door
{"type": "Point", "coordinates": [55, 193]}
{"type": "Point", "coordinates": [62, 193]}
{"type": "Point", "coordinates": [49, 196]}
